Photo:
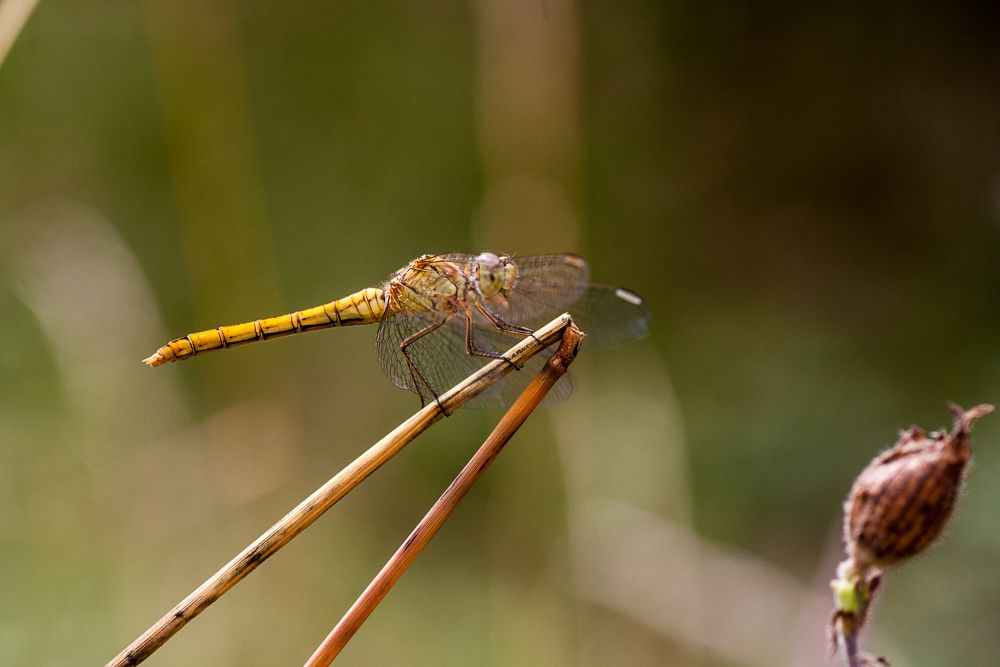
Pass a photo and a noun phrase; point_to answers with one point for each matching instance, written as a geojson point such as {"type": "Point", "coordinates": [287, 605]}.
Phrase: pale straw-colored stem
{"type": "Point", "coordinates": [336, 488]}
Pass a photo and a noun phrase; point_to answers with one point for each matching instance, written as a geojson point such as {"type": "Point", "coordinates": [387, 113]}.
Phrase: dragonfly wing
{"type": "Point", "coordinates": [488, 337]}
{"type": "Point", "coordinates": [439, 358]}
{"type": "Point", "coordinates": [546, 286]}
{"type": "Point", "coordinates": [610, 316]}
{"type": "Point", "coordinates": [434, 356]}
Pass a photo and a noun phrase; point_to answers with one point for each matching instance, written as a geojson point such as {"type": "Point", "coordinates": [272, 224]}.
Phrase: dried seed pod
{"type": "Point", "coordinates": [901, 501]}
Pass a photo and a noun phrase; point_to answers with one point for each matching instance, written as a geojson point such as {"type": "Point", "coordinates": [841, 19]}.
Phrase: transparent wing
{"type": "Point", "coordinates": [546, 286]}
{"type": "Point", "coordinates": [610, 316]}
{"type": "Point", "coordinates": [437, 356]}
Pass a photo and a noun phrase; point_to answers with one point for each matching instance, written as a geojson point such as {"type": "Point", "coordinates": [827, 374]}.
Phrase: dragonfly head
{"type": "Point", "coordinates": [494, 275]}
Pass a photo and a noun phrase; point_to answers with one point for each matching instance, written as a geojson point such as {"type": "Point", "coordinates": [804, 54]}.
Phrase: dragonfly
{"type": "Point", "coordinates": [442, 317]}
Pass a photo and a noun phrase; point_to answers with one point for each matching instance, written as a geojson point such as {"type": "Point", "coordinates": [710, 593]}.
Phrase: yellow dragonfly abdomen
{"type": "Point", "coordinates": [366, 306]}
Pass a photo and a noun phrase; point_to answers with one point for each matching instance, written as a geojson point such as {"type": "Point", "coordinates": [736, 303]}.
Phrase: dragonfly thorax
{"type": "Point", "coordinates": [493, 276]}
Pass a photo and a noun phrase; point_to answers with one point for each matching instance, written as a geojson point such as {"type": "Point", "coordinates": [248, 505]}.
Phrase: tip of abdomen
{"type": "Point", "coordinates": [160, 357]}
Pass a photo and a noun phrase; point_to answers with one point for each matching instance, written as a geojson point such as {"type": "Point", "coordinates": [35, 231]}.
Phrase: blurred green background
{"type": "Point", "coordinates": [809, 199]}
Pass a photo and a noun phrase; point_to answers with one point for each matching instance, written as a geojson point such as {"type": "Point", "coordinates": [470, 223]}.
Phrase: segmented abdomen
{"type": "Point", "coordinates": [366, 306]}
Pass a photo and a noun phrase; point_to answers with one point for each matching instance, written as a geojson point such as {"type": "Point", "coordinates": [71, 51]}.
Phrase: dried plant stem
{"type": "Point", "coordinates": [336, 488]}
{"type": "Point", "coordinates": [446, 504]}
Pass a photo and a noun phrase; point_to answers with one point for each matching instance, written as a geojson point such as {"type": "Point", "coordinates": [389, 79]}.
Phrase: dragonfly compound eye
{"type": "Point", "coordinates": [490, 274]}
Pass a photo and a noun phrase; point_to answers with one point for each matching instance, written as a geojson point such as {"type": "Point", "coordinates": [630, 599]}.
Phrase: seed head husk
{"type": "Point", "coordinates": [900, 503]}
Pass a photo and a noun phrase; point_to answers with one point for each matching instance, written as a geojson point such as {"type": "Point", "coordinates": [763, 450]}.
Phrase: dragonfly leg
{"type": "Point", "coordinates": [505, 327]}
{"type": "Point", "coordinates": [415, 373]}
{"type": "Point", "coordinates": [471, 348]}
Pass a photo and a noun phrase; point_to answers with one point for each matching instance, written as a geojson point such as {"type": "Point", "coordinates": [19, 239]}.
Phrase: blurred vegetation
{"type": "Point", "coordinates": [808, 197]}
